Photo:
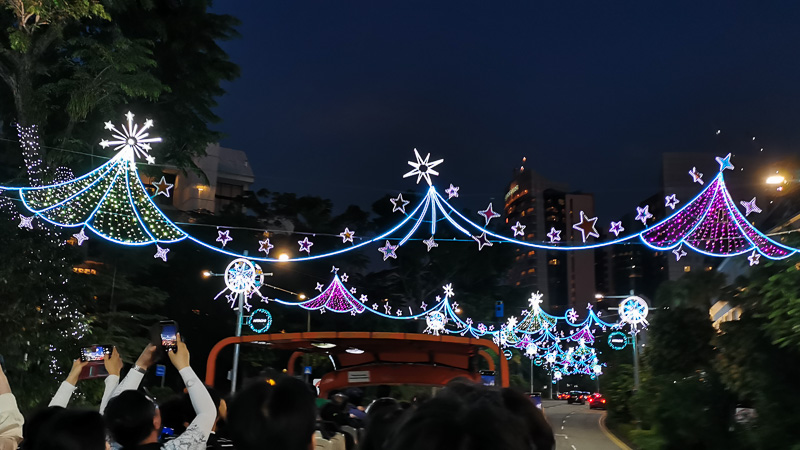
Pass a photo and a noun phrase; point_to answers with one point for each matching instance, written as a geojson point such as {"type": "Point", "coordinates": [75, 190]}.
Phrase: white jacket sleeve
{"type": "Point", "coordinates": [63, 394]}
{"type": "Point", "coordinates": [11, 421]}
{"type": "Point", "coordinates": [111, 381]}
{"type": "Point", "coordinates": [196, 435]}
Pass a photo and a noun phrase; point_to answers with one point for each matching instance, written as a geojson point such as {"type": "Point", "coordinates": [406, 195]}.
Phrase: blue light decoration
{"type": "Point", "coordinates": [112, 202]}
{"type": "Point", "coordinates": [617, 340]}
{"type": "Point", "coordinates": [260, 320]}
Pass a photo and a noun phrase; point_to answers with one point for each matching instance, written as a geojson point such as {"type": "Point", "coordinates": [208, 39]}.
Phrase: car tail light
{"type": "Point", "coordinates": [604, 400]}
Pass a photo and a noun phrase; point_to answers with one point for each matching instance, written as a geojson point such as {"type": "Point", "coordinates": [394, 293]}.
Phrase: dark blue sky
{"type": "Point", "coordinates": [334, 95]}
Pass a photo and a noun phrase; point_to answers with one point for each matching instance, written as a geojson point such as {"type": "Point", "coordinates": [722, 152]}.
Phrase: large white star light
{"type": "Point", "coordinates": [423, 168]}
{"type": "Point", "coordinates": [132, 139]}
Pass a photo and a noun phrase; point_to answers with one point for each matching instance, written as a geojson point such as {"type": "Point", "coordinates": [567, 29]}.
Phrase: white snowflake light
{"type": "Point", "coordinates": [132, 139]}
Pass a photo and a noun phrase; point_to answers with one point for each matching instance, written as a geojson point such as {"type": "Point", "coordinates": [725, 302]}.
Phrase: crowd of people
{"type": "Point", "coordinates": [269, 412]}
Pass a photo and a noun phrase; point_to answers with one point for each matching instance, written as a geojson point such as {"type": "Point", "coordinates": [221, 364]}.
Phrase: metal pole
{"type": "Point", "coordinates": [551, 385]}
{"type": "Point", "coordinates": [635, 365]}
{"type": "Point", "coordinates": [239, 317]}
{"type": "Point", "coordinates": [531, 391]}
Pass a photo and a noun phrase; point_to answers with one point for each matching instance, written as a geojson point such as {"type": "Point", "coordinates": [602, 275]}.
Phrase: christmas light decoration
{"type": "Point", "coordinates": [519, 229]}
{"type": "Point", "coordinates": [633, 311]}
{"type": "Point", "coordinates": [319, 287]}
{"type": "Point", "coordinates": [616, 228]}
{"type": "Point", "coordinates": [25, 222]}
{"type": "Point", "coordinates": [554, 235]}
{"type": "Point", "coordinates": [334, 298]}
{"type": "Point", "coordinates": [260, 320]}
{"type": "Point", "coordinates": [482, 241]}
{"type": "Point", "coordinates": [224, 236]}
{"type": "Point", "coordinates": [132, 138]}
{"type": "Point", "coordinates": [697, 177]}
{"type": "Point", "coordinates": [162, 187]}
{"type": "Point", "coordinates": [398, 204]}
{"type": "Point", "coordinates": [423, 168]}
{"type": "Point", "coordinates": [617, 340]}
{"type": "Point", "coordinates": [750, 207]}
{"type": "Point", "coordinates": [586, 226]}
{"type": "Point", "coordinates": [724, 163]}
{"type": "Point", "coordinates": [448, 290]}
{"type": "Point", "coordinates": [430, 243]}
{"type": "Point", "coordinates": [679, 253]}
{"type": "Point", "coordinates": [753, 258]}
{"type": "Point", "coordinates": [347, 235]}
{"type": "Point", "coordinates": [671, 201]}
{"type": "Point", "coordinates": [161, 253]}
{"type": "Point", "coordinates": [265, 246]}
{"type": "Point", "coordinates": [80, 237]}
{"type": "Point", "coordinates": [643, 214]}
{"type": "Point", "coordinates": [305, 245]}
{"type": "Point", "coordinates": [451, 192]}
{"type": "Point", "coordinates": [488, 214]}
{"type": "Point", "coordinates": [388, 251]}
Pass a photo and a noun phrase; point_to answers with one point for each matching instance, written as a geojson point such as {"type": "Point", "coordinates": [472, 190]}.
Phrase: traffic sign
{"type": "Point", "coordinates": [617, 340]}
{"type": "Point", "coordinates": [307, 370]}
{"type": "Point", "coordinates": [161, 370]}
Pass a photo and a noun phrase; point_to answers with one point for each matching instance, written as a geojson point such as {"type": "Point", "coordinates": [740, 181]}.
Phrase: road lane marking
{"type": "Point", "coordinates": [602, 423]}
{"type": "Point", "coordinates": [573, 448]}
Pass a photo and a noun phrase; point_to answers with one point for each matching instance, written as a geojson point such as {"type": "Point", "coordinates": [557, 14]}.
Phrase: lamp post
{"type": "Point", "coordinates": [633, 339]}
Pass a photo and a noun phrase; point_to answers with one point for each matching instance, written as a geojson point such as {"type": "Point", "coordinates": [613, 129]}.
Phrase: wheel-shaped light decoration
{"type": "Point", "coordinates": [557, 375]}
{"type": "Point", "coordinates": [240, 276]}
{"type": "Point", "coordinates": [260, 320]}
{"type": "Point", "coordinates": [617, 340]}
{"type": "Point", "coordinates": [436, 322]}
{"type": "Point", "coordinates": [597, 369]}
{"type": "Point", "coordinates": [507, 353]}
{"type": "Point", "coordinates": [550, 358]}
{"type": "Point", "coordinates": [633, 311]}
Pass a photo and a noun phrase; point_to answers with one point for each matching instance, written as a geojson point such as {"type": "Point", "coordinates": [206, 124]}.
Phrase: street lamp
{"type": "Point", "coordinates": [776, 179]}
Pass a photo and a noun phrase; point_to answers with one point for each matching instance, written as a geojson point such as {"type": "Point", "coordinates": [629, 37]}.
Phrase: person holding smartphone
{"type": "Point", "coordinates": [113, 365]}
{"type": "Point", "coordinates": [11, 419]}
{"type": "Point", "coordinates": [134, 420]}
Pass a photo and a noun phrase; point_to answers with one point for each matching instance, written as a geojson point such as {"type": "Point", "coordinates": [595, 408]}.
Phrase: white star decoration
{"type": "Point", "coordinates": [754, 258]}
{"type": "Point", "coordinates": [697, 177]}
{"type": "Point", "coordinates": [347, 235]}
{"type": "Point", "coordinates": [224, 236]}
{"type": "Point", "coordinates": [265, 246]}
{"type": "Point", "coordinates": [750, 207]}
{"type": "Point", "coordinates": [334, 269]}
{"type": "Point", "coordinates": [319, 287]}
{"type": "Point", "coordinates": [482, 241]}
{"type": "Point", "coordinates": [363, 298]}
{"type": "Point", "coordinates": [554, 235]}
{"type": "Point", "coordinates": [423, 168]}
{"type": "Point", "coordinates": [81, 237]}
{"type": "Point", "coordinates": [488, 214]}
{"type": "Point", "coordinates": [671, 201]}
{"type": "Point", "coordinates": [161, 253]}
{"type": "Point", "coordinates": [452, 191]}
{"type": "Point", "coordinates": [724, 163]}
{"type": "Point", "coordinates": [679, 253]}
{"type": "Point", "coordinates": [430, 243]}
{"type": "Point", "coordinates": [305, 245]}
{"type": "Point", "coordinates": [25, 222]}
{"type": "Point", "coordinates": [643, 214]}
{"type": "Point", "coordinates": [398, 204]}
{"type": "Point", "coordinates": [616, 228]}
{"type": "Point", "coordinates": [536, 300]}
{"type": "Point", "coordinates": [587, 226]}
{"type": "Point", "coordinates": [387, 308]}
{"type": "Point", "coordinates": [345, 277]}
{"type": "Point", "coordinates": [132, 138]}
{"type": "Point", "coordinates": [423, 306]}
{"type": "Point", "coordinates": [388, 251]}
{"type": "Point", "coordinates": [374, 306]}
{"type": "Point", "coordinates": [519, 229]}
{"type": "Point", "coordinates": [352, 290]}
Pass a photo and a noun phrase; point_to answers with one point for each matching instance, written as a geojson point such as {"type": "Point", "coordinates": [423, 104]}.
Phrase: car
{"type": "Point", "coordinates": [597, 401]}
{"type": "Point", "coordinates": [562, 396]}
{"type": "Point", "coordinates": [576, 397]}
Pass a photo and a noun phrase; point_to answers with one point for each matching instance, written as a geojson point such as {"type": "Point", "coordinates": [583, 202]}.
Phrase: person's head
{"type": "Point", "coordinates": [521, 406]}
{"type": "Point", "coordinates": [73, 430]}
{"type": "Point", "coordinates": [34, 423]}
{"type": "Point", "coordinates": [283, 415]}
{"type": "Point", "coordinates": [133, 418]}
{"type": "Point", "coordinates": [383, 417]}
{"type": "Point", "coordinates": [464, 417]}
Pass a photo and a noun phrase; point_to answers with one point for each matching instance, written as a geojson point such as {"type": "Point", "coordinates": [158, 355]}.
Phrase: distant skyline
{"type": "Point", "coordinates": [334, 96]}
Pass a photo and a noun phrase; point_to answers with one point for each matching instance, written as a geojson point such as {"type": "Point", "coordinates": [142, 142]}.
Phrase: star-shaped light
{"type": "Point", "coordinates": [671, 201]}
{"type": "Point", "coordinates": [482, 241]}
{"type": "Point", "coordinates": [448, 290]}
{"type": "Point", "coordinates": [161, 253]}
{"type": "Point", "coordinates": [423, 168]}
{"type": "Point", "coordinates": [754, 258]}
{"type": "Point", "coordinates": [353, 290]}
{"type": "Point", "coordinates": [679, 253]}
{"type": "Point", "coordinates": [455, 305]}
{"type": "Point", "coordinates": [697, 177]}
{"type": "Point", "coordinates": [616, 228]}
{"type": "Point", "coordinates": [224, 236]}
{"type": "Point", "coordinates": [387, 308]}
{"type": "Point", "coordinates": [452, 191]}
{"type": "Point", "coordinates": [430, 243]}
{"type": "Point", "coordinates": [438, 297]}
{"type": "Point", "coordinates": [423, 306]}
{"type": "Point", "coordinates": [519, 229]}
{"type": "Point", "coordinates": [334, 269]}
{"type": "Point", "coordinates": [305, 245]}
{"type": "Point", "coordinates": [353, 312]}
{"type": "Point", "coordinates": [81, 237]}
{"type": "Point", "coordinates": [724, 163]}
{"type": "Point", "coordinates": [750, 207]}
{"type": "Point", "coordinates": [388, 251]}
{"type": "Point", "coordinates": [322, 310]}
{"type": "Point", "coordinates": [399, 312]}
{"type": "Point", "coordinates": [319, 287]}
{"type": "Point", "coordinates": [572, 315]}
{"type": "Point", "coordinates": [554, 235]}
{"type": "Point", "coordinates": [347, 235]}
{"type": "Point", "coordinates": [375, 306]}
{"type": "Point", "coordinates": [587, 226]}
{"type": "Point", "coordinates": [265, 246]}
{"type": "Point", "coordinates": [398, 204]}
{"type": "Point", "coordinates": [132, 138]}
{"type": "Point", "coordinates": [643, 214]}
{"type": "Point", "coordinates": [345, 277]}
{"type": "Point", "coordinates": [162, 187]}
{"type": "Point", "coordinates": [488, 213]}
{"type": "Point", "coordinates": [512, 322]}
{"type": "Point", "coordinates": [25, 222]}
{"type": "Point", "coordinates": [363, 298]}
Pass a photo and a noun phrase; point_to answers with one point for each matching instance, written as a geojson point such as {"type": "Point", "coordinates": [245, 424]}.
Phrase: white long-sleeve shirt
{"type": "Point", "coordinates": [66, 389]}
{"type": "Point", "coordinates": [196, 435]}
{"type": "Point", "coordinates": [11, 422]}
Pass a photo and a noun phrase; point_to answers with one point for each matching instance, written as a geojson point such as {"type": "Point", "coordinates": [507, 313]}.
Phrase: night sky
{"type": "Point", "coordinates": [334, 95]}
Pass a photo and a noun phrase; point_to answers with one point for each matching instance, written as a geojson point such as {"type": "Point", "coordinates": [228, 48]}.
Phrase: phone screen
{"type": "Point", "coordinates": [169, 338]}
{"type": "Point", "coordinates": [95, 352]}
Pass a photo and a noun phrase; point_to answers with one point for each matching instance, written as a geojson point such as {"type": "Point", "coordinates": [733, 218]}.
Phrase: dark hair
{"type": "Point", "coordinates": [521, 406]}
{"type": "Point", "coordinates": [466, 417]}
{"type": "Point", "coordinates": [129, 417]}
{"type": "Point", "coordinates": [383, 417]}
{"type": "Point", "coordinates": [283, 415]}
{"type": "Point", "coordinates": [73, 430]}
{"type": "Point", "coordinates": [33, 425]}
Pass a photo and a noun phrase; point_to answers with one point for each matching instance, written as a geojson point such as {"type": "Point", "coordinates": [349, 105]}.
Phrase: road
{"type": "Point", "coordinates": [577, 427]}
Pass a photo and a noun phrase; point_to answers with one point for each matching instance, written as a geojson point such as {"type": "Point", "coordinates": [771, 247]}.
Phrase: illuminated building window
{"type": "Point", "coordinates": [84, 270]}
{"type": "Point", "coordinates": [532, 270]}
{"type": "Point", "coordinates": [532, 252]}
{"type": "Point", "coordinates": [687, 268]}
{"type": "Point", "coordinates": [552, 262]}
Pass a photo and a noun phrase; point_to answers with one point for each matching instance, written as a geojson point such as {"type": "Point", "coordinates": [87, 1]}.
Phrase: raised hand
{"type": "Point", "coordinates": [75, 372]}
{"type": "Point", "coordinates": [113, 362]}
{"type": "Point", "coordinates": [180, 359]}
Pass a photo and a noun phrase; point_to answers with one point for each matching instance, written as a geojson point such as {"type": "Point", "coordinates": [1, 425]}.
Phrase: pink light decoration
{"type": "Point", "coordinates": [585, 334]}
{"type": "Point", "coordinates": [334, 298]}
{"type": "Point", "coordinates": [712, 224]}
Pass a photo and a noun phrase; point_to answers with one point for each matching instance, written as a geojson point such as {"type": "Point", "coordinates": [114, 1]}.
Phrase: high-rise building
{"type": "Point", "coordinates": [566, 278]}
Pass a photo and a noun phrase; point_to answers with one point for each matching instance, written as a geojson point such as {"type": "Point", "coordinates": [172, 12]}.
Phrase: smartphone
{"type": "Point", "coordinates": [3, 364]}
{"type": "Point", "coordinates": [169, 335]}
{"type": "Point", "coordinates": [95, 352]}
